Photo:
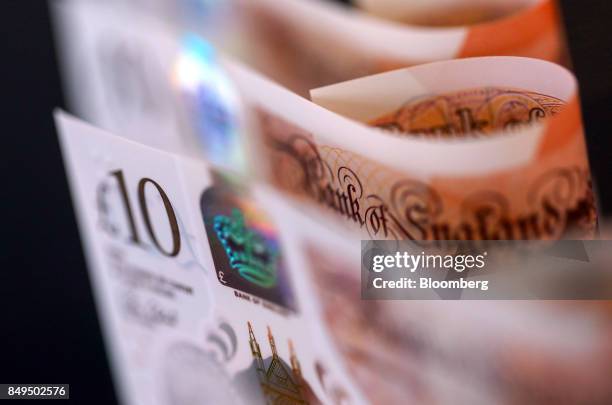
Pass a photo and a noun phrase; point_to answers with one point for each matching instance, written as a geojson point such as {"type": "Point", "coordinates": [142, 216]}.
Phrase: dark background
{"type": "Point", "coordinates": [49, 331]}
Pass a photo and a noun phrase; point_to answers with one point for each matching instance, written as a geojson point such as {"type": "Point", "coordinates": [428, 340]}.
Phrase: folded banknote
{"type": "Point", "coordinates": [506, 160]}
{"type": "Point", "coordinates": [309, 43]}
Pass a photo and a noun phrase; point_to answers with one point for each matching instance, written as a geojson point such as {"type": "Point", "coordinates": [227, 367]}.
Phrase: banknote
{"type": "Point", "coordinates": [450, 352]}
{"type": "Point", "coordinates": [470, 112]}
{"type": "Point", "coordinates": [531, 182]}
{"type": "Point", "coordinates": [305, 44]}
{"type": "Point", "coordinates": [444, 353]}
{"type": "Point", "coordinates": [150, 79]}
{"type": "Point", "coordinates": [311, 149]}
{"type": "Point", "coordinates": [199, 291]}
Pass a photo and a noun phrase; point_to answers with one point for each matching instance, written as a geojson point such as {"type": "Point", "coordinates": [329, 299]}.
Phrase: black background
{"type": "Point", "coordinates": [49, 331]}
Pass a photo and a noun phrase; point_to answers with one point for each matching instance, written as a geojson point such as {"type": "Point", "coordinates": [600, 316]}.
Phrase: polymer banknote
{"type": "Point", "coordinates": [202, 296]}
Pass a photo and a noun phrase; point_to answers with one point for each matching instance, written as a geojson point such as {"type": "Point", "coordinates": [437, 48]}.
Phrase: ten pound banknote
{"type": "Point", "coordinates": [202, 297]}
{"type": "Point", "coordinates": [479, 148]}
{"type": "Point", "coordinates": [309, 43]}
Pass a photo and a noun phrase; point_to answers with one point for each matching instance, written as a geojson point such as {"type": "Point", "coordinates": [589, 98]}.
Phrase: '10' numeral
{"type": "Point", "coordinates": [142, 202]}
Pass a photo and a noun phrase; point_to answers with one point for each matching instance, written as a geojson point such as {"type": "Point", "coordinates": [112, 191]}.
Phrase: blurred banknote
{"type": "Point", "coordinates": [309, 43]}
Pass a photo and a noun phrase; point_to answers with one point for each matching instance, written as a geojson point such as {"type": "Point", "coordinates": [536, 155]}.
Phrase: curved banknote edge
{"type": "Point", "coordinates": [532, 183]}
{"type": "Point", "coordinates": [309, 43]}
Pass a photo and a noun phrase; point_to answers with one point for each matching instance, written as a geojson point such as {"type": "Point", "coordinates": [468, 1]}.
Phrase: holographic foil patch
{"type": "Point", "coordinates": [212, 102]}
{"type": "Point", "coordinates": [245, 245]}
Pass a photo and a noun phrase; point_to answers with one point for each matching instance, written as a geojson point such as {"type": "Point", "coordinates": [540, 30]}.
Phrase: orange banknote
{"type": "Point", "coordinates": [522, 181]}
{"type": "Point", "coordinates": [309, 43]}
